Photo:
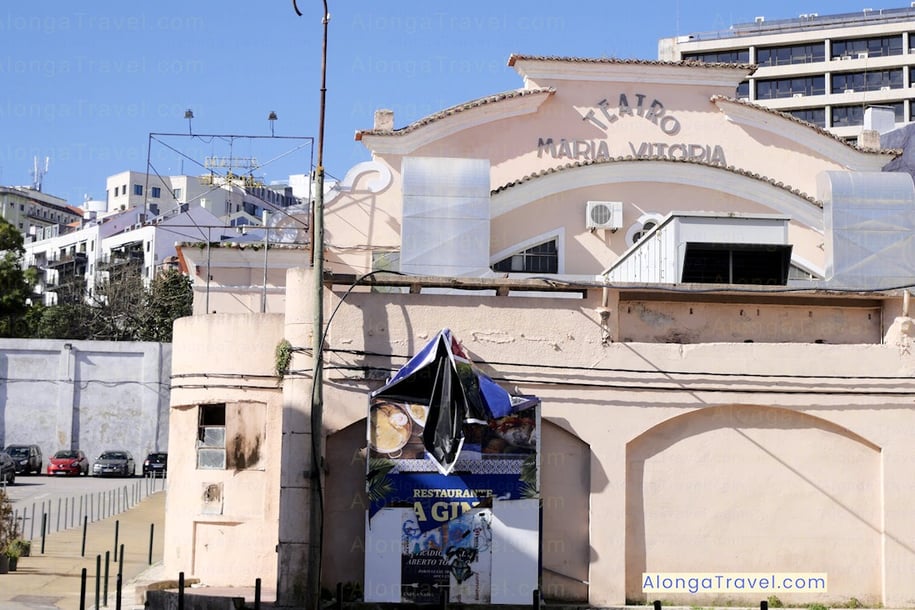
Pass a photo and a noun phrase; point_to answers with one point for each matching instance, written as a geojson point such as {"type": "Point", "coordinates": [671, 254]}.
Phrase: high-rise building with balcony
{"type": "Point", "coordinates": [824, 69]}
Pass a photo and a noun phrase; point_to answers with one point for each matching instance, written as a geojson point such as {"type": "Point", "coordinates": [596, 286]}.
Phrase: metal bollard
{"type": "Point", "coordinates": [257, 594]}
{"type": "Point", "coordinates": [152, 529]}
{"type": "Point", "coordinates": [764, 605]}
{"type": "Point", "coordinates": [105, 585]}
{"type": "Point", "coordinates": [657, 604]}
{"type": "Point", "coordinates": [82, 553]}
{"type": "Point", "coordinates": [121, 562]}
{"type": "Point", "coordinates": [180, 590]}
{"type": "Point", "coordinates": [98, 580]}
{"type": "Point", "coordinates": [82, 589]}
{"type": "Point", "coordinates": [536, 604]}
{"type": "Point", "coordinates": [44, 527]}
{"type": "Point", "coordinates": [117, 526]}
{"type": "Point", "coordinates": [339, 603]}
{"type": "Point", "coordinates": [117, 595]}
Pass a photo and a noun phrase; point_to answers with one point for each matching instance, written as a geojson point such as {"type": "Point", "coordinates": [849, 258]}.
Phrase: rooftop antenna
{"type": "Point", "coordinates": [38, 173]}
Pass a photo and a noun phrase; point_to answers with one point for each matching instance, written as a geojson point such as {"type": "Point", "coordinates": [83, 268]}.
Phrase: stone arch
{"type": "Point", "coordinates": [746, 488]}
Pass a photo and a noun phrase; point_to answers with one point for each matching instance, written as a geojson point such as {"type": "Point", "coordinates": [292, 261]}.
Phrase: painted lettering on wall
{"type": "Point", "coordinates": [653, 112]}
{"type": "Point", "coordinates": [604, 115]}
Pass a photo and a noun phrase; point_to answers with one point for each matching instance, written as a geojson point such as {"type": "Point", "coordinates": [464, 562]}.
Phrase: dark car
{"type": "Point", "coordinates": [117, 463]}
{"type": "Point", "coordinates": [26, 457]}
{"type": "Point", "coordinates": [7, 469]}
{"type": "Point", "coordinates": [155, 464]}
{"type": "Point", "coordinates": [68, 462]}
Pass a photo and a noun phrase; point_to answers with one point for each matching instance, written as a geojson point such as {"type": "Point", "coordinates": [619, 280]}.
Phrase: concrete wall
{"type": "Point", "coordinates": [706, 457]}
{"type": "Point", "coordinates": [88, 395]}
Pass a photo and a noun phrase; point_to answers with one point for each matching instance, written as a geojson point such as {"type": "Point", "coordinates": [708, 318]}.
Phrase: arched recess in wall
{"type": "Point", "coordinates": [565, 488]}
{"type": "Point", "coordinates": [747, 488]}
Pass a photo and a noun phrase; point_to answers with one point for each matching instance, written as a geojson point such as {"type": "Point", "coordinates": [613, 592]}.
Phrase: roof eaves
{"type": "Point", "coordinates": [887, 151]}
{"type": "Point", "coordinates": [443, 114]}
{"type": "Point", "coordinates": [630, 158]}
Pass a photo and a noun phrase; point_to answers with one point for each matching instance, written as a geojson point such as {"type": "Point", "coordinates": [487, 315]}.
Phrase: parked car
{"type": "Point", "coordinates": [69, 462]}
{"type": "Point", "coordinates": [27, 458]}
{"type": "Point", "coordinates": [7, 469]}
{"type": "Point", "coordinates": [114, 463]}
{"type": "Point", "coordinates": [155, 464]}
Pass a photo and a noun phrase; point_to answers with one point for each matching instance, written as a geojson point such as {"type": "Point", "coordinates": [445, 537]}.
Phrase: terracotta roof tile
{"type": "Point", "coordinates": [630, 158]}
{"type": "Point", "coordinates": [888, 151]}
{"type": "Point", "coordinates": [636, 62]}
{"type": "Point", "coordinates": [483, 101]}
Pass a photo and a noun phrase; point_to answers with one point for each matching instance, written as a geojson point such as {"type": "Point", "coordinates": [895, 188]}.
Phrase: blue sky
{"type": "Point", "coordinates": [86, 83]}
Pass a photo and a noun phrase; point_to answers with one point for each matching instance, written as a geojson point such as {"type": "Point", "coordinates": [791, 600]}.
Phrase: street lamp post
{"type": "Point", "coordinates": [317, 398]}
{"type": "Point", "coordinates": [189, 114]}
{"type": "Point", "coordinates": [313, 569]}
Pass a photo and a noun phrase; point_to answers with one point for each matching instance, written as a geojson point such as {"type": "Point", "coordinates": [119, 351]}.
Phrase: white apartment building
{"type": "Point", "coordinates": [238, 199]}
{"type": "Point", "coordinates": [139, 223]}
{"type": "Point", "coordinates": [73, 262]}
{"type": "Point", "coordinates": [32, 212]}
{"type": "Point", "coordinates": [824, 69]}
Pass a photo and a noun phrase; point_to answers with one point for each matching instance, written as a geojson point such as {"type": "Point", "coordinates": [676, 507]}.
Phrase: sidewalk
{"type": "Point", "coordinates": [52, 580]}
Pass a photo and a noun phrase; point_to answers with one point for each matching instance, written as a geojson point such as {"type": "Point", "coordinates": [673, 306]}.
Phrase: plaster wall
{"type": "Point", "coordinates": [212, 513]}
{"type": "Point", "coordinates": [92, 395]}
{"type": "Point", "coordinates": [763, 456]}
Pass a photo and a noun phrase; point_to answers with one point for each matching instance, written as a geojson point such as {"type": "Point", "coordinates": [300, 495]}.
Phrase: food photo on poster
{"type": "Point", "coordinates": [448, 452]}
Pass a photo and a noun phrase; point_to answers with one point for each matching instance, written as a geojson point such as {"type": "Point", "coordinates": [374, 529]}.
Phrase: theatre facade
{"type": "Point", "coordinates": [708, 299]}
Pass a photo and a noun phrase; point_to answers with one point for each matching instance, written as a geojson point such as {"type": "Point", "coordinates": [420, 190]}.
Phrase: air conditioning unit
{"type": "Point", "coordinates": [862, 55]}
{"type": "Point", "coordinates": [884, 88]}
{"type": "Point", "coordinates": [849, 91]}
{"type": "Point", "coordinates": [604, 215]}
{"type": "Point", "coordinates": [845, 57]}
{"type": "Point", "coordinates": [797, 95]}
{"type": "Point", "coordinates": [760, 19]}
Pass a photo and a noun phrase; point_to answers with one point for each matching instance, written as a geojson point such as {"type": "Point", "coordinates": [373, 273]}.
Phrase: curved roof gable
{"type": "Point", "coordinates": [804, 133]}
{"type": "Point", "coordinates": [535, 68]}
{"type": "Point", "coordinates": [802, 206]}
{"type": "Point", "coordinates": [454, 119]}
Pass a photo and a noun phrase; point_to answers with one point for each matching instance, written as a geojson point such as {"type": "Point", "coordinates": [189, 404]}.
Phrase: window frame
{"type": "Point", "coordinates": [557, 235]}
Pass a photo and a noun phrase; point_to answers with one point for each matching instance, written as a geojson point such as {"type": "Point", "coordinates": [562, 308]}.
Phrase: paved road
{"type": "Point", "coordinates": [52, 580]}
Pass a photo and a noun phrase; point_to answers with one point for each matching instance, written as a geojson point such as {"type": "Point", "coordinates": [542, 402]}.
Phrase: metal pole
{"type": "Point", "coordinates": [117, 525]}
{"type": "Point", "coordinates": [82, 552]}
{"type": "Point", "coordinates": [82, 589]}
{"type": "Point", "coordinates": [207, 300]}
{"type": "Point", "coordinates": [44, 528]}
{"type": "Point", "coordinates": [152, 528]}
{"type": "Point", "coordinates": [121, 561]}
{"type": "Point", "coordinates": [105, 586]}
{"type": "Point", "coordinates": [317, 395]}
{"type": "Point", "coordinates": [266, 248]}
{"type": "Point", "coordinates": [180, 590]}
{"type": "Point", "coordinates": [98, 579]}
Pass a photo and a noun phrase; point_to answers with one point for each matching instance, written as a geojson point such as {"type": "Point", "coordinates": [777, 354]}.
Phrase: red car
{"type": "Point", "coordinates": [69, 461]}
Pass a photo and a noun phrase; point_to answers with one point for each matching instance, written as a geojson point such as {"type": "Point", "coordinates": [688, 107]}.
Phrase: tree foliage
{"type": "Point", "coordinates": [121, 308]}
{"type": "Point", "coordinates": [170, 297]}
{"type": "Point", "coordinates": [118, 308]}
{"type": "Point", "coordinates": [15, 283]}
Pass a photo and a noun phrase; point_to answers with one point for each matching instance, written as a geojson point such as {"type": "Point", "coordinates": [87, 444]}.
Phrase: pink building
{"type": "Point", "coordinates": [709, 298]}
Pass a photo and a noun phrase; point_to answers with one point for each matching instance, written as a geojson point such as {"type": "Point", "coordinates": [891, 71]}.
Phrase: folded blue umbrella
{"type": "Point", "coordinates": [442, 377]}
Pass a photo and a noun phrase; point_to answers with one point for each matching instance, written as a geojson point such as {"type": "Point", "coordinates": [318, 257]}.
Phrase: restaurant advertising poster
{"type": "Point", "coordinates": [440, 501]}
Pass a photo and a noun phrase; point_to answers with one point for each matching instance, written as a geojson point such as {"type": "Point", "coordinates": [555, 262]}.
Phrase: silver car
{"type": "Point", "coordinates": [115, 463]}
